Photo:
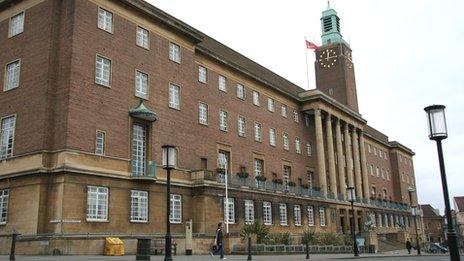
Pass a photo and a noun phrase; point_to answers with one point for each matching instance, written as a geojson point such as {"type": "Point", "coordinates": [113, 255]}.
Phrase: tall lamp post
{"type": "Point", "coordinates": [437, 131]}
{"type": "Point", "coordinates": [352, 199]}
{"type": "Point", "coordinates": [414, 215]}
{"type": "Point", "coordinates": [223, 162]}
{"type": "Point", "coordinates": [169, 162]}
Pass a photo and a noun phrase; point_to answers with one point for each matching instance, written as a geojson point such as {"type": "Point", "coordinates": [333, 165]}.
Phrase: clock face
{"type": "Point", "coordinates": [348, 60]}
{"type": "Point", "coordinates": [328, 58]}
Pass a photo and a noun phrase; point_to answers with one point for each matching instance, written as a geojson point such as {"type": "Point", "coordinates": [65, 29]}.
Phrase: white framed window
{"type": "Point", "coordinates": [272, 137]}
{"type": "Point", "coordinates": [222, 83]}
{"type": "Point", "coordinates": [202, 74]}
{"type": "Point", "coordinates": [249, 211]}
{"type": "Point", "coordinates": [141, 84]}
{"type": "Point", "coordinates": [374, 221]}
{"type": "Point", "coordinates": [309, 150]}
{"type": "Point", "coordinates": [100, 142]}
{"type": "Point", "coordinates": [270, 104]}
{"type": "Point", "coordinates": [372, 170]}
{"type": "Point", "coordinates": [258, 167]}
{"type": "Point", "coordinates": [4, 197]}
{"type": "Point", "coordinates": [380, 153]}
{"type": "Point", "coordinates": [139, 149]}
{"type": "Point", "coordinates": [267, 213]}
{"type": "Point", "coordinates": [256, 98]}
{"type": "Point", "coordinates": [322, 216]}
{"type": "Point", "coordinates": [296, 118]}
{"type": "Point", "coordinates": [283, 214]}
{"type": "Point", "coordinates": [139, 206]}
{"type": "Point", "coordinates": [285, 140]}
{"type": "Point", "coordinates": [379, 220]}
{"type": "Point", "coordinates": [16, 25]}
{"type": "Point", "coordinates": [297, 145]}
{"type": "Point", "coordinates": [297, 215]}
{"type": "Point", "coordinates": [240, 91]}
{"type": "Point", "coordinates": [369, 148]}
{"type": "Point", "coordinates": [174, 52]}
{"type": "Point", "coordinates": [306, 116]}
{"type": "Point", "coordinates": [241, 126]}
{"type": "Point", "coordinates": [103, 71]}
{"type": "Point", "coordinates": [223, 120]}
{"type": "Point", "coordinates": [375, 151]}
{"type": "Point", "coordinates": [175, 213]}
{"type": "Point", "coordinates": [388, 175]}
{"type": "Point", "coordinates": [385, 154]}
{"type": "Point", "coordinates": [12, 75]}
{"type": "Point", "coordinates": [174, 96]}
{"type": "Point", "coordinates": [203, 113]}
{"type": "Point", "coordinates": [142, 37]}
{"type": "Point", "coordinates": [7, 134]}
{"type": "Point", "coordinates": [382, 174]}
{"type": "Point", "coordinates": [310, 179]}
{"type": "Point", "coordinates": [310, 212]}
{"type": "Point", "coordinates": [283, 110]}
{"type": "Point", "coordinates": [105, 20]}
{"type": "Point", "coordinates": [222, 154]}
{"type": "Point", "coordinates": [229, 211]}
{"type": "Point", "coordinates": [258, 132]}
{"type": "Point", "coordinates": [97, 203]}
{"type": "Point", "coordinates": [377, 171]}
{"type": "Point", "coordinates": [287, 175]}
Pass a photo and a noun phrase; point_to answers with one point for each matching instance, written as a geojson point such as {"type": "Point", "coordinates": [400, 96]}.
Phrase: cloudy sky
{"type": "Point", "coordinates": [407, 55]}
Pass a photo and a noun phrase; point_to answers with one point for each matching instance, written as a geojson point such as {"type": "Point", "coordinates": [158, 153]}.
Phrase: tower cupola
{"type": "Point", "coordinates": [330, 25]}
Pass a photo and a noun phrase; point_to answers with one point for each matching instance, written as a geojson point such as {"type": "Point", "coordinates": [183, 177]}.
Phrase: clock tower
{"type": "Point", "coordinates": [334, 66]}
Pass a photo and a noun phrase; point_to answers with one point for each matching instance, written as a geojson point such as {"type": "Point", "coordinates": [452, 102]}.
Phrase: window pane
{"type": "Point", "coordinates": [142, 37]}
{"type": "Point", "coordinates": [141, 84]}
{"type": "Point", "coordinates": [174, 96]}
{"type": "Point", "coordinates": [102, 71]}
{"type": "Point", "coordinates": [12, 75]}
{"type": "Point", "coordinates": [7, 133]}
{"type": "Point", "coordinates": [139, 153]}
{"type": "Point", "coordinates": [105, 20]}
{"type": "Point", "coordinates": [17, 24]}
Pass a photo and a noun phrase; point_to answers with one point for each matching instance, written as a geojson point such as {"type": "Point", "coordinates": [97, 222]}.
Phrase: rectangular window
{"type": "Point", "coordinates": [97, 203]}
{"type": "Point", "coordinates": [372, 170]}
{"type": "Point", "coordinates": [297, 145]}
{"type": "Point", "coordinates": [283, 110]}
{"type": "Point", "coordinates": [256, 98]}
{"type": "Point", "coordinates": [203, 113]}
{"type": "Point", "coordinates": [382, 173]}
{"type": "Point", "coordinates": [272, 137]}
{"type": "Point", "coordinates": [388, 175]}
{"type": "Point", "coordinates": [174, 52]}
{"type": "Point", "coordinates": [4, 196]}
{"type": "Point", "coordinates": [139, 149]}
{"type": "Point", "coordinates": [309, 149]}
{"type": "Point", "coordinates": [223, 120]}
{"type": "Point", "coordinates": [322, 216]}
{"type": "Point", "coordinates": [377, 172]}
{"type": "Point", "coordinates": [240, 91]}
{"type": "Point", "coordinates": [7, 134]}
{"type": "Point", "coordinates": [100, 143]}
{"type": "Point", "coordinates": [105, 20]}
{"type": "Point", "coordinates": [142, 38]}
{"type": "Point", "coordinates": [222, 83]}
{"type": "Point", "coordinates": [375, 151]}
{"type": "Point", "coordinates": [258, 167]}
{"type": "Point", "coordinates": [141, 84]}
{"type": "Point", "coordinates": [285, 140]}
{"type": "Point", "coordinates": [369, 148]}
{"type": "Point", "coordinates": [295, 116]}
{"type": "Point", "coordinates": [380, 153]}
{"type": "Point", "coordinates": [139, 206]}
{"type": "Point", "coordinates": [175, 213]}
{"type": "Point", "coordinates": [223, 160]}
{"type": "Point", "coordinates": [297, 215]}
{"type": "Point", "coordinates": [310, 215]}
{"type": "Point", "coordinates": [270, 104]}
{"type": "Point", "coordinates": [258, 133]}
{"type": "Point", "coordinates": [287, 176]}
{"type": "Point", "coordinates": [12, 74]}
{"type": "Point", "coordinates": [249, 212]}
{"type": "Point", "coordinates": [202, 74]}
{"type": "Point", "coordinates": [267, 213]}
{"type": "Point", "coordinates": [283, 214]}
{"type": "Point", "coordinates": [16, 24]}
{"type": "Point", "coordinates": [229, 211]}
{"type": "Point", "coordinates": [379, 219]}
{"type": "Point", "coordinates": [103, 71]}
{"type": "Point", "coordinates": [310, 179]}
{"type": "Point", "coordinates": [307, 120]}
{"type": "Point", "coordinates": [241, 126]}
{"type": "Point", "coordinates": [174, 96]}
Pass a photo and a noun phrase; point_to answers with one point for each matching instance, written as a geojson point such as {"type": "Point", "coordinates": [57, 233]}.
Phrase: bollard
{"type": "Point", "coordinates": [307, 250]}
{"type": "Point", "coordinates": [13, 245]}
{"type": "Point", "coordinates": [249, 248]}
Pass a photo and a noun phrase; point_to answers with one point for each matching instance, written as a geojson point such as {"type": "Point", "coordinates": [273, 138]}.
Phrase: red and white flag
{"type": "Point", "coordinates": [311, 45]}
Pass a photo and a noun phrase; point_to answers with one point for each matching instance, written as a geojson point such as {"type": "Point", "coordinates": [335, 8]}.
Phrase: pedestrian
{"type": "Point", "coordinates": [408, 246]}
{"type": "Point", "coordinates": [218, 246]}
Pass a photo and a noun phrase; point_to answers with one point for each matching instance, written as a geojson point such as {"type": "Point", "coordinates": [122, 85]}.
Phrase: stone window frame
{"type": "Point", "coordinates": [283, 110]}
{"type": "Point", "coordinates": [256, 98]}
{"type": "Point", "coordinates": [270, 104]}
{"type": "Point", "coordinates": [139, 167]}
{"type": "Point", "coordinates": [296, 117]}
{"type": "Point", "coordinates": [139, 212]}
{"type": "Point", "coordinates": [100, 142]}
{"type": "Point", "coordinates": [11, 26]}
{"type": "Point", "coordinates": [298, 145]}
{"type": "Point", "coordinates": [10, 131]}
{"type": "Point", "coordinates": [241, 92]}
{"type": "Point", "coordinates": [175, 53]}
{"type": "Point", "coordinates": [222, 84]}
{"type": "Point", "coordinates": [272, 137]}
{"type": "Point", "coordinates": [173, 102]}
{"type": "Point", "coordinates": [97, 192]}
{"type": "Point", "coordinates": [101, 80]}
{"type": "Point", "coordinates": [223, 120]}
{"type": "Point", "coordinates": [241, 126]}
{"type": "Point", "coordinates": [203, 113]}
{"type": "Point", "coordinates": [202, 74]}
{"type": "Point", "coordinates": [6, 83]}
{"type": "Point", "coordinates": [140, 39]}
{"type": "Point", "coordinates": [138, 84]}
{"type": "Point", "coordinates": [258, 131]}
{"type": "Point", "coordinates": [102, 24]}
{"type": "Point", "coordinates": [286, 141]}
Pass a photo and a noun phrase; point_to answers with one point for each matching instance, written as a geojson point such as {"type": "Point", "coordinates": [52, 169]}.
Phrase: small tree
{"type": "Point", "coordinates": [308, 237]}
{"type": "Point", "coordinates": [261, 231]}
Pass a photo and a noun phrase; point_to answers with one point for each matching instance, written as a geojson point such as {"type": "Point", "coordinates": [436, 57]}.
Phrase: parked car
{"type": "Point", "coordinates": [436, 248]}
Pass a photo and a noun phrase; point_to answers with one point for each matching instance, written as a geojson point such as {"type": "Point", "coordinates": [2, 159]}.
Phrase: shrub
{"type": "Point", "coordinates": [261, 231]}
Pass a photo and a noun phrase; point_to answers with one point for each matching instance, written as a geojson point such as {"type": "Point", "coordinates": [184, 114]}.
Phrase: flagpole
{"type": "Point", "coordinates": [307, 67]}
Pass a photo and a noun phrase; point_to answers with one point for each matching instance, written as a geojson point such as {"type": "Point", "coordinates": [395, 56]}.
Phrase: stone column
{"type": "Point", "coordinates": [357, 166]}
{"type": "Point", "coordinates": [320, 152]}
{"type": "Point", "coordinates": [341, 167]}
{"type": "Point", "coordinates": [331, 155]}
{"type": "Point", "coordinates": [349, 162]}
{"type": "Point", "coordinates": [364, 166]}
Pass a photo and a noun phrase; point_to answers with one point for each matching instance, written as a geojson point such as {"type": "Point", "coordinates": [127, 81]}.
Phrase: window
{"type": "Point", "coordinates": [380, 153]}
{"type": "Point", "coordinates": [310, 215]}
{"type": "Point", "coordinates": [202, 74]}
{"type": "Point", "coordinates": [382, 173]}
{"type": "Point", "coordinates": [139, 206]}
{"type": "Point", "coordinates": [222, 83]}
{"type": "Point", "coordinates": [309, 149]}
{"type": "Point", "coordinates": [4, 196]}
{"type": "Point", "coordinates": [100, 143]}
{"type": "Point", "coordinates": [297, 145]}
{"type": "Point", "coordinates": [283, 110]}
{"type": "Point", "coordinates": [221, 156]}
{"type": "Point", "coordinates": [12, 74]}
{"type": "Point", "coordinates": [141, 84]}
{"type": "Point", "coordinates": [310, 175]}
{"type": "Point", "coordinates": [175, 213]}
{"type": "Point", "coordinates": [174, 96]}
{"type": "Point", "coordinates": [240, 91]}
{"type": "Point", "coordinates": [272, 137]}
{"type": "Point", "coordinates": [142, 38]}
{"type": "Point", "coordinates": [385, 193]}
{"type": "Point", "coordinates": [267, 213]}
{"type": "Point", "coordinates": [256, 98]}
{"type": "Point", "coordinates": [105, 20]}
{"type": "Point", "coordinates": [249, 212]}
{"type": "Point", "coordinates": [283, 214]}
{"type": "Point", "coordinates": [203, 113]}
{"type": "Point", "coordinates": [258, 167]}
{"type": "Point", "coordinates": [270, 104]}
{"type": "Point", "coordinates": [258, 133]}
{"type": "Point", "coordinates": [379, 219]}
{"type": "Point", "coordinates": [16, 24]}
{"type": "Point", "coordinates": [174, 52]}
{"type": "Point", "coordinates": [285, 139]}
{"type": "Point", "coordinates": [103, 71]}
{"type": "Point", "coordinates": [373, 191]}
{"type": "Point", "coordinates": [375, 151]}
{"type": "Point", "coordinates": [374, 221]}
{"type": "Point", "coordinates": [297, 215]}
{"type": "Point", "coordinates": [97, 203]}
{"type": "Point", "coordinates": [322, 216]}
{"type": "Point", "coordinates": [287, 176]}
{"type": "Point", "coordinates": [369, 148]}
{"type": "Point", "coordinates": [377, 171]}
{"type": "Point", "coordinates": [229, 211]}
{"type": "Point", "coordinates": [372, 170]}
{"type": "Point", "coordinates": [241, 126]}
{"type": "Point", "coordinates": [139, 149]}
{"type": "Point", "coordinates": [7, 134]}
{"type": "Point", "coordinates": [388, 175]}
{"type": "Point", "coordinates": [295, 116]}
{"type": "Point", "coordinates": [306, 120]}
{"type": "Point", "coordinates": [223, 120]}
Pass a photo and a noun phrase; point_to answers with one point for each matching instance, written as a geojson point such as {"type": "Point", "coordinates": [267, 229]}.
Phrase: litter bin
{"type": "Point", "coordinates": [143, 249]}
{"type": "Point", "coordinates": [371, 249]}
{"type": "Point", "coordinates": [114, 246]}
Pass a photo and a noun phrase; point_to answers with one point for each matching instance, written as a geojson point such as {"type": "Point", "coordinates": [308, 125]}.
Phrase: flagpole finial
{"type": "Point", "coordinates": [328, 4]}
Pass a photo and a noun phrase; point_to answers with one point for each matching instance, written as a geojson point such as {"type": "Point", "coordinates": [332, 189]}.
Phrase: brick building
{"type": "Point", "coordinates": [94, 88]}
{"type": "Point", "coordinates": [458, 219]}
{"type": "Point", "coordinates": [434, 224]}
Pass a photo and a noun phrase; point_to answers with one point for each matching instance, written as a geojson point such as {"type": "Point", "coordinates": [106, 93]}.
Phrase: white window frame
{"type": "Point", "coordinates": [241, 91]}
{"type": "Point", "coordinates": [223, 125]}
{"type": "Point", "coordinates": [7, 136]}
{"type": "Point", "coordinates": [175, 212]}
{"type": "Point", "coordinates": [270, 104]}
{"type": "Point", "coordinates": [296, 118]}
{"type": "Point", "coordinates": [95, 196]}
{"type": "Point", "coordinates": [105, 16]}
{"type": "Point", "coordinates": [297, 215]}
{"type": "Point", "coordinates": [377, 172]}
{"type": "Point", "coordinates": [255, 98]}
{"type": "Point", "coordinates": [310, 211]}
{"type": "Point", "coordinates": [369, 148]}
{"type": "Point", "coordinates": [297, 145]}
{"type": "Point", "coordinates": [141, 84]}
{"type": "Point", "coordinates": [283, 110]}
{"type": "Point", "coordinates": [306, 120]}
{"type": "Point", "coordinates": [309, 149]}
{"type": "Point", "coordinates": [272, 137]}
{"type": "Point", "coordinates": [100, 141]}
{"type": "Point", "coordinates": [174, 96]}
{"type": "Point", "coordinates": [287, 174]}
{"type": "Point", "coordinates": [322, 216]}
{"type": "Point", "coordinates": [139, 206]}
{"type": "Point", "coordinates": [222, 83]}
{"type": "Point", "coordinates": [241, 123]}
{"type": "Point", "coordinates": [258, 167]}
{"type": "Point", "coordinates": [230, 212]}
{"type": "Point", "coordinates": [12, 76]}
{"type": "Point", "coordinates": [202, 74]}
{"type": "Point", "coordinates": [103, 66]}
{"type": "Point", "coordinates": [286, 141]}
{"type": "Point", "coordinates": [16, 27]}
{"type": "Point", "coordinates": [139, 149]}
{"type": "Point", "coordinates": [372, 170]}
{"type": "Point", "coordinates": [203, 113]}
{"type": "Point", "coordinates": [4, 199]}
{"type": "Point", "coordinates": [174, 52]}
{"type": "Point", "coordinates": [258, 131]}
{"type": "Point", "coordinates": [283, 214]}
{"type": "Point", "coordinates": [142, 37]}
{"type": "Point", "coordinates": [249, 212]}
{"type": "Point", "coordinates": [267, 213]}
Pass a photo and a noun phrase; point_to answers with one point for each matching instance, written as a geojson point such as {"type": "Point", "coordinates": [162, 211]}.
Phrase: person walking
{"type": "Point", "coordinates": [408, 246]}
{"type": "Point", "coordinates": [218, 246]}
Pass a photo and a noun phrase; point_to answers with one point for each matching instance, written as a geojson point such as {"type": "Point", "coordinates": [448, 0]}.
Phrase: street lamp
{"type": "Point", "coordinates": [169, 162]}
{"type": "Point", "coordinates": [414, 214]}
{"type": "Point", "coordinates": [437, 131]}
{"type": "Point", "coordinates": [352, 199]}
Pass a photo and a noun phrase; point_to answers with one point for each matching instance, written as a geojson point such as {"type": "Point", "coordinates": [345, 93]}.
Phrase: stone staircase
{"type": "Point", "coordinates": [387, 245]}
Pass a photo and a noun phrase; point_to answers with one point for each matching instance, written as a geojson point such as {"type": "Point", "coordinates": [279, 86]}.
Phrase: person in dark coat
{"type": "Point", "coordinates": [408, 246]}
{"type": "Point", "coordinates": [218, 242]}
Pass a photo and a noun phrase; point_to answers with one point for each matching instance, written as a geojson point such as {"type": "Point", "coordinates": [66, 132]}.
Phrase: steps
{"type": "Point", "coordinates": [389, 245]}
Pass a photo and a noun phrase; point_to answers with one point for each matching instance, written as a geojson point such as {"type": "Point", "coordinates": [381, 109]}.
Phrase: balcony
{"type": "Point", "coordinates": [149, 175]}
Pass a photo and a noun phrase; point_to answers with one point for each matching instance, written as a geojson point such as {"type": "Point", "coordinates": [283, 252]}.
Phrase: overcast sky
{"type": "Point", "coordinates": [407, 55]}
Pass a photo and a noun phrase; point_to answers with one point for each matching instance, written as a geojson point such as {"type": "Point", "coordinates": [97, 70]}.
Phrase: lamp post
{"type": "Point", "coordinates": [352, 199]}
{"type": "Point", "coordinates": [414, 215]}
{"type": "Point", "coordinates": [169, 162]}
{"type": "Point", "coordinates": [223, 162]}
{"type": "Point", "coordinates": [437, 131]}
